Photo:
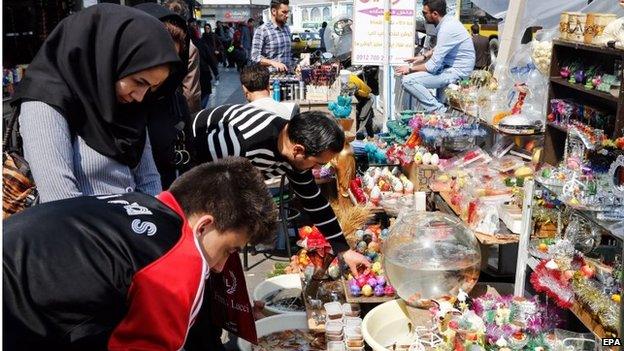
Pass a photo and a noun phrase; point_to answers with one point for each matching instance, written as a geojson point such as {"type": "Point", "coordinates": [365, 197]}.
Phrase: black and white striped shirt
{"type": "Point", "coordinates": [247, 131]}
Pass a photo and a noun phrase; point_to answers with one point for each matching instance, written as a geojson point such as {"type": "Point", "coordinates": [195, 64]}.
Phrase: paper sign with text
{"type": "Point", "coordinates": [368, 31]}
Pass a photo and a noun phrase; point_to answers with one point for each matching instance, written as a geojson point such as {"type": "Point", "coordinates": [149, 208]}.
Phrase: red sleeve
{"type": "Point", "coordinates": [163, 301]}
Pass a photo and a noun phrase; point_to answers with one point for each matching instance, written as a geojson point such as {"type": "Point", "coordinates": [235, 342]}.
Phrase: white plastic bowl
{"type": "Point", "coordinates": [276, 323]}
{"type": "Point", "coordinates": [284, 281]}
{"type": "Point", "coordinates": [385, 324]}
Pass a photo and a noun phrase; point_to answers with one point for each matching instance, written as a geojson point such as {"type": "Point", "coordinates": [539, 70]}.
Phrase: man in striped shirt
{"type": "Point", "coordinates": [277, 146]}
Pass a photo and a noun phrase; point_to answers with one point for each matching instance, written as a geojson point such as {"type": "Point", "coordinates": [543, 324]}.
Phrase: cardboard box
{"type": "Point", "coordinates": [421, 175]}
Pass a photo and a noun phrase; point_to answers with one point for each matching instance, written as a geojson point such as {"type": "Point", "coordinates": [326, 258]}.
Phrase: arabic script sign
{"type": "Point", "coordinates": [368, 31]}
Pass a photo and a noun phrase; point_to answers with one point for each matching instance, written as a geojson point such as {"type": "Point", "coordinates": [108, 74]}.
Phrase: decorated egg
{"type": "Point", "coordinates": [381, 280]}
{"type": "Point", "coordinates": [359, 234]}
{"type": "Point", "coordinates": [355, 290]}
{"type": "Point", "coordinates": [376, 267]}
{"type": "Point", "coordinates": [379, 290]}
{"type": "Point", "coordinates": [361, 246]}
{"type": "Point", "coordinates": [361, 280]}
{"type": "Point", "coordinates": [409, 187]}
{"type": "Point", "coordinates": [367, 290]}
{"type": "Point", "coordinates": [367, 239]}
{"type": "Point", "coordinates": [371, 255]}
{"type": "Point", "coordinates": [435, 159]}
{"type": "Point", "coordinates": [384, 233]}
{"type": "Point", "coordinates": [426, 159]}
{"type": "Point", "coordinates": [370, 184]}
{"type": "Point", "coordinates": [418, 158]}
{"type": "Point", "coordinates": [352, 281]}
{"type": "Point", "coordinates": [389, 290]}
{"type": "Point", "coordinates": [334, 271]}
{"type": "Point", "coordinates": [374, 246]}
{"type": "Point", "coordinates": [375, 195]}
{"type": "Point", "coordinates": [372, 282]}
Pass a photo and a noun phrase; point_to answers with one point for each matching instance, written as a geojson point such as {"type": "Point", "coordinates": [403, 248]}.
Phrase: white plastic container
{"type": "Point", "coordinates": [274, 324]}
{"type": "Point", "coordinates": [385, 324]}
{"type": "Point", "coordinates": [333, 310]}
{"type": "Point", "coordinates": [284, 281]}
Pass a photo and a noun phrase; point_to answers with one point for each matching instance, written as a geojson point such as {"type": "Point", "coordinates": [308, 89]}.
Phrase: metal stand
{"type": "Point", "coordinates": [286, 215]}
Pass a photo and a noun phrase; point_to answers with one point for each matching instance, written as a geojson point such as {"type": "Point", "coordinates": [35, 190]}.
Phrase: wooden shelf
{"type": "Point", "coordinates": [589, 47]}
{"type": "Point", "coordinates": [614, 229]}
{"type": "Point", "coordinates": [579, 87]}
{"type": "Point", "coordinates": [589, 321]}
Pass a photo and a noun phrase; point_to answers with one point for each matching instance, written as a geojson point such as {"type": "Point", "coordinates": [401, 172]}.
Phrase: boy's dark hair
{"type": "Point", "coordinates": [233, 192]}
{"type": "Point", "coordinates": [475, 29]}
{"type": "Point", "coordinates": [317, 132]}
{"type": "Point", "coordinates": [324, 24]}
{"type": "Point", "coordinates": [250, 20]}
{"type": "Point", "coordinates": [438, 6]}
{"type": "Point", "coordinates": [178, 6]}
{"type": "Point", "coordinates": [275, 4]}
{"type": "Point", "coordinates": [255, 77]}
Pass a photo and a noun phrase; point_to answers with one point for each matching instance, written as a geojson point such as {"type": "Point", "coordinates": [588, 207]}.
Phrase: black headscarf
{"type": "Point", "coordinates": [76, 69]}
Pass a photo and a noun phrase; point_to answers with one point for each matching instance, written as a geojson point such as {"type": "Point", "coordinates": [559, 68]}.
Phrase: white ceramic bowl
{"type": "Point", "coordinates": [276, 323]}
{"type": "Point", "coordinates": [284, 281]}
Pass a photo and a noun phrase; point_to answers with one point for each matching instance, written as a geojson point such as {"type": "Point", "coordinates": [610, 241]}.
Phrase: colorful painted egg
{"type": "Point", "coordinates": [361, 246]}
{"type": "Point", "coordinates": [361, 280]}
{"type": "Point", "coordinates": [359, 234]}
{"type": "Point", "coordinates": [367, 290]}
{"type": "Point", "coordinates": [381, 280]}
{"type": "Point", "coordinates": [435, 159]}
{"type": "Point", "coordinates": [426, 158]}
{"type": "Point", "coordinates": [373, 246]}
{"type": "Point", "coordinates": [379, 290]}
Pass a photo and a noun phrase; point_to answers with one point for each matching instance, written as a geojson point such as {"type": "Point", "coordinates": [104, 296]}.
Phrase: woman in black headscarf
{"type": "Point", "coordinates": [85, 102]}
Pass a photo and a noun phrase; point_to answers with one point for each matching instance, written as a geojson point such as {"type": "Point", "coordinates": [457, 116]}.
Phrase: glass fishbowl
{"type": "Point", "coordinates": [430, 255]}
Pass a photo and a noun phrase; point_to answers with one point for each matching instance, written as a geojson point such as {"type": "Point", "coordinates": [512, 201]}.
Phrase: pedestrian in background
{"type": "Point", "coordinates": [482, 48]}
{"type": "Point", "coordinates": [322, 34]}
{"type": "Point", "coordinates": [247, 36]}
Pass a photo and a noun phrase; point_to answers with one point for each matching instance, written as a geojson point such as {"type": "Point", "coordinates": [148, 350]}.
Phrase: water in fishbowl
{"type": "Point", "coordinates": [425, 270]}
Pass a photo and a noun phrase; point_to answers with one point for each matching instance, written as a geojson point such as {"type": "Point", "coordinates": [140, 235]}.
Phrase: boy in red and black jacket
{"type": "Point", "coordinates": [128, 272]}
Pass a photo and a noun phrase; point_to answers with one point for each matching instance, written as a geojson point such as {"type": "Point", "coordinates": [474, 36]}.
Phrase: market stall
{"type": "Point", "coordinates": [522, 177]}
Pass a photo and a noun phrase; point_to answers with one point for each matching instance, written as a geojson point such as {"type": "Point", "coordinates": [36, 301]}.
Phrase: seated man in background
{"type": "Point", "coordinates": [452, 58]}
{"type": "Point", "coordinates": [255, 81]}
{"type": "Point", "coordinates": [127, 272]}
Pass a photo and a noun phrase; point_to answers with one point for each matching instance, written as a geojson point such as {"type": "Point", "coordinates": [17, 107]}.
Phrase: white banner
{"type": "Point", "coordinates": [368, 33]}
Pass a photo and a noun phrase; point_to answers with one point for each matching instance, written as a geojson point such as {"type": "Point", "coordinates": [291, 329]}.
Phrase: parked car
{"type": "Point", "coordinates": [305, 42]}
